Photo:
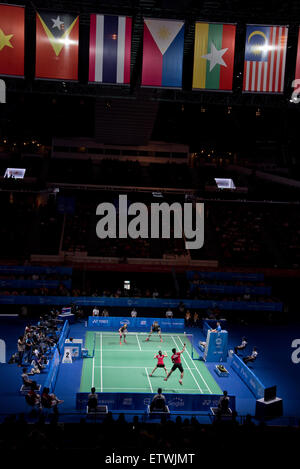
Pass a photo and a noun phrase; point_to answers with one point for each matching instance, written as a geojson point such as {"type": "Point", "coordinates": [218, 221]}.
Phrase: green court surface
{"type": "Point", "coordinates": [126, 367]}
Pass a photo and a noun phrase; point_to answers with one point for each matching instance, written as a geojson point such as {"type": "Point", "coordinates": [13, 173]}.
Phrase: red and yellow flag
{"type": "Point", "coordinates": [11, 40]}
{"type": "Point", "coordinates": [57, 37]}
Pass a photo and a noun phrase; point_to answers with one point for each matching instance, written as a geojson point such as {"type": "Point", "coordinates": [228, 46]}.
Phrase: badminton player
{"type": "Point", "coordinates": [155, 328]}
{"type": "Point", "coordinates": [160, 361]}
{"type": "Point", "coordinates": [176, 359]}
{"type": "Point", "coordinates": [123, 331]}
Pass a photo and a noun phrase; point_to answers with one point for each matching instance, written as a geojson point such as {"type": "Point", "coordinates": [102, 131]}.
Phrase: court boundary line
{"type": "Point", "coordinates": [189, 368]}
{"type": "Point", "coordinates": [137, 338]}
{"type": "Point", "coordinates": [129, 367]}
{"type": "Point", "coordinates": [149, 380]}
{"type": "Point", "coordinates": [200, 374]}
{"type": "Point", "coordinates": [101, 377]}
{"type": "Point", "coordinates": [167, 391]}
{"type": "Point", "coordinates": [171, 336]}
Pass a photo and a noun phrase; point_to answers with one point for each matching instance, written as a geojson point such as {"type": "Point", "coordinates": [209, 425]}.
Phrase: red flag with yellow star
{"type": "Point", "coordinates": [11, 40]}
{"type": "Point", "coordinates": [57, 36]}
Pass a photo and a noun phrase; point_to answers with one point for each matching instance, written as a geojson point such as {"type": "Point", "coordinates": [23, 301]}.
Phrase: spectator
{"type": "Point", "coordinates": [27, 381]}
{"type": "Point", "coordinates": [28, 348]}
{"type": "Point", "coordinates": [169, 313]}
{"type": "Point", "coordinates": [188, 318]}
{"type": "Point", "coordinates": [105, 313]}
{"type": "Point", "coordinates": [32, 398]}
{"type": "Point", "coordinates": [50, 400]}
{"type": "Point", "coordinates": [134, 313]}
{"type": "Point", "coordinates": [21, 349]}
{"type": "Point", "coordinates": [96, 311]}
{"type": "Point", "coordinates": [196, 319]}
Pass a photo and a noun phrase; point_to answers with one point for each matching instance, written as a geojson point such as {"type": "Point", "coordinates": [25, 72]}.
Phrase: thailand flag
{"type": "Point", "coordinates": [163, 53]}
{"type": "Point", "coordinates": [110, 49]}
{"type": "Point", "coordinates": [66, 310]}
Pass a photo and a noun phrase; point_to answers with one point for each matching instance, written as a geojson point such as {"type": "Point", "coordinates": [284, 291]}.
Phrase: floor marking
{"type": "Point", "coordinates": [149, 380]}
{"type": "Point", "coordinates": [200, 374]}
{"type": "Point", "coordinates": [189, 368]}
{"type": "Point", "coordinates": [138, 342]}
{"type": "Point", "coordinates": [101, 380]}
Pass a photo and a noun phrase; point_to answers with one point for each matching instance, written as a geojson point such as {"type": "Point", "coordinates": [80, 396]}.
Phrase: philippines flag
{"type": "Point", "coordinates": [110, 49]}
{"type": "Point", "coordinates": [163, 53]}
{"type": "Point", "coordinates": [265, 56]}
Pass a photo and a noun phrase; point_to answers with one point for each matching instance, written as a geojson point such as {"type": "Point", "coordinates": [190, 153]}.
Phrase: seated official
{"type": "Point", "coordinates": [242, 345]}
{"type": "Point", "coordinates": [92, 401]}
{"type": "Point", "coordinates": [251, 358]}
{"type": "Point", "coordinates": [158, 402]}
{"type": "Point", "coordinates": [223, 404]}
{"type": "Point", "coordinates": [217, 329]}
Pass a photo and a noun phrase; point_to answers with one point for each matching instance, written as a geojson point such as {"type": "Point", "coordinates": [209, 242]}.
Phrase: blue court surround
{"type": "Point", "coordinates": [272, 366]}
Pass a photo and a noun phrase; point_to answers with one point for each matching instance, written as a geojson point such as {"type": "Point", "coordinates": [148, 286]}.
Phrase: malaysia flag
{"type": "Point", "coordinates": [265, 56]}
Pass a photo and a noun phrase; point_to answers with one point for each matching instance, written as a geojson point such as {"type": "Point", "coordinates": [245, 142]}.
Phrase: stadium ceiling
{"type": "Point", "coordinates": [173, 110]}
{"type": "Point", "coordinates": [239, 12]}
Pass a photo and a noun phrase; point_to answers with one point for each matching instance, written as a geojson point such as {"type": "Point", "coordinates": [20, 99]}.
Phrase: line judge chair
{"type": "Point", "coordinates": [158, 409]}
{"type": "Point", "coordinates": [98, 411]}
{"type": "Point", "coordinates": [217, 413]}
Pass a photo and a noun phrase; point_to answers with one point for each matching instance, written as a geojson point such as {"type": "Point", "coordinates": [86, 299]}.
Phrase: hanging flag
{"type": "Point", "coordinates": [213, 56]}
{"type": "Point", "coordinates": [297, 73]}
{"type": "Point", "coordinates": [163, 53]}
{"type": "Point", "coordinates": [265, 55]}
{"type": "Point", "coordinates": [110, 49]}
{"type": "Point", "coordinates": [11, 40]}
{"type": "Point", "coordinates": [57, 37]}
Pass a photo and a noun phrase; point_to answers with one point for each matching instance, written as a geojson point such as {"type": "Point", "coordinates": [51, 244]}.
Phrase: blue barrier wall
{"type": "Point", "coordinates": [53, 371]}
{"type": "Point", "coordinates": [34, 283]}
{"type": "Point", "coordinates": [29, 269]}
{"type": "Point", "coordinates": [139, 401]}
{"type": "Point", "coordinates": [63, 336]}
{"type": "Point", "coordinates": [249, 378]}
{"type": "Point", "coordinates": [232, 289]}
{"type": "Point", "coordinates": [137, 324]}
{"type": "Point", "coordinates": [139, 302]}
{"type": "Point", "coordinates": [245, 276]}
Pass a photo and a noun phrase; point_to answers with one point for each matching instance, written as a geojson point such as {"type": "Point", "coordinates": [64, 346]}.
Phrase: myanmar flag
{"type": "Point", "coordinates": [57, 37]}
{"type": "Point", "coordinates": [11, 40]}
{"type": "Point", "coordinates": [163, 53]}
{"type": "Point", "coordinates": [214, 56]}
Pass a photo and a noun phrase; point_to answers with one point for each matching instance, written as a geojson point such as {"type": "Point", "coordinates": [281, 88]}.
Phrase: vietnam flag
{"type": "Point", "coordinates": [57, 37]}
{"type": "Point", "coordinates": [163, 53]}
{"type": "Point", "coordinates": [214, 56]}
{"type": "Point", "coordinates": [11, 40]}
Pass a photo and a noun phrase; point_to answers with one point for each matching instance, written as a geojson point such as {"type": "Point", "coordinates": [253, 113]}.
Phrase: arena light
{"type": "Point", "coordinates": [157, 194]}
{"type": "Point", "coordinates": [224, 183]}
{"type": "Point", "coordinates": [15, 173]}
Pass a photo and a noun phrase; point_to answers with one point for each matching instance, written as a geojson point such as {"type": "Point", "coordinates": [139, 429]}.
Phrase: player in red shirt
{"type": "Point", "coordinates": [123, 331]}
{"type": "Point", "coordinates": [176, 359]}
{"type": "Point", "coordinates": [160, 361]}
